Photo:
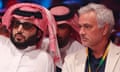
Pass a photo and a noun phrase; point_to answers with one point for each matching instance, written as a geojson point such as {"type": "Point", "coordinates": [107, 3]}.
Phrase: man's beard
{"type": "Point", "coordinates": [29, 42]}
{"type": "Point", "coordinates": [62, 41]}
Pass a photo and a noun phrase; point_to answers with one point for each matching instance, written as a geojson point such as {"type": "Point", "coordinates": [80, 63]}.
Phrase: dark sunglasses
{"type": "Point", "coordinates": [26, 25]}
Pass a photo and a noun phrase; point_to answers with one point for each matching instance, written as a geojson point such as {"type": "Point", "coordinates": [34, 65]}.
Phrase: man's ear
{"type": "Point", "coordinates": [106, 29]}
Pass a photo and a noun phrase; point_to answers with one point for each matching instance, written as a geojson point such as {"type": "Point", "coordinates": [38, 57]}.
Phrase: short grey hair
{"type": "Point", "coordinates": [104, 15]}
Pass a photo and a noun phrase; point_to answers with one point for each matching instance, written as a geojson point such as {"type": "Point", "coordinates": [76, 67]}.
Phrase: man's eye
{"type": "Point", "coordinates": [79, 26]}
{"type": "Point", "coordinates": [88, 26]}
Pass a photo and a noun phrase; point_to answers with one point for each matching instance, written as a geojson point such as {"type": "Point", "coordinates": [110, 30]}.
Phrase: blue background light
{"type": "Point", "coordinates": [1, 4]}
{"type": "Point", "coordinates": [45, 3]}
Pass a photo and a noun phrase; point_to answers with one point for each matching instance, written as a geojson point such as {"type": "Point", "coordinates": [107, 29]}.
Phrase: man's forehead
{"type": "Point", "coordinates": [88, 17]}
{"type": "Point", "coordinates": [88, 14]}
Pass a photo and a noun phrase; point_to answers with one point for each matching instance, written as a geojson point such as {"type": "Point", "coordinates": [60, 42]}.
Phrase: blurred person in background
{"type": "Point", "coordinates": [3, 30]}
{"type": "Point", "coordinates": [67, 30]}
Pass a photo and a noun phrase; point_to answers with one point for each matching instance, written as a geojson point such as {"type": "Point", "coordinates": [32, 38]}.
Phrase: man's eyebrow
{"type": "Point", "coordinates": [84, 24]}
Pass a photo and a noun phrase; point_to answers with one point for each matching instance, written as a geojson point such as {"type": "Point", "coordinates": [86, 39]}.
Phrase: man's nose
{"type": "Point", "coordinates": [20, 28]}
{"type": "Point", "coordinates": [82, 30]}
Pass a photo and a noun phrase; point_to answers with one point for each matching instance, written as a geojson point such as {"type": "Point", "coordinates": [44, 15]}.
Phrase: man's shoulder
{"type": "Point", "coordinates": [114, 47]}
{"type": "Point", "coordinates": [3, 39]}
{"type": "Point", "coordinates": [77, 44]}
{"type": "Point", "coordinates": [77, 55]}
{"type": "Point", "coordinates": [44, 55]}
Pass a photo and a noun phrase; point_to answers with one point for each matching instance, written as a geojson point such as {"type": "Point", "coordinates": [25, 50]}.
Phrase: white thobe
{"type": "Point", "coordinates": [28, 60]}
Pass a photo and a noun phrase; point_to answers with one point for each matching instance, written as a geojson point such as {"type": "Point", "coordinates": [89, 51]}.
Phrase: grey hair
{"type": "Point", "coordinates": [104, 15]}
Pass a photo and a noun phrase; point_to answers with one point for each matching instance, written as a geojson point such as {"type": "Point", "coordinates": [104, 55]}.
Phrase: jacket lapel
{"type": "Point", "coordinates": [112, 58]}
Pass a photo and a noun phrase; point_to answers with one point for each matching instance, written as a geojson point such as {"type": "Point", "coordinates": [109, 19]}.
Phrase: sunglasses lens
{"type": "Point", "coordinates": [26, 25]}
{"type": "Point", "coordinates": [15, 24]}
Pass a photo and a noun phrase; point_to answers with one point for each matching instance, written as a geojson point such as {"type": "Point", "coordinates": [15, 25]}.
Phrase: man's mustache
{"type": "Point", "coordinates": [19, 34]}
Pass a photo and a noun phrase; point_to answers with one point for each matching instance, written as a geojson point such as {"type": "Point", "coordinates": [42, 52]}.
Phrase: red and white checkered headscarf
{"type": "Point", "coordinates": [65, 14]}
{"type": "Point", "coordinates": [46, 23]}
